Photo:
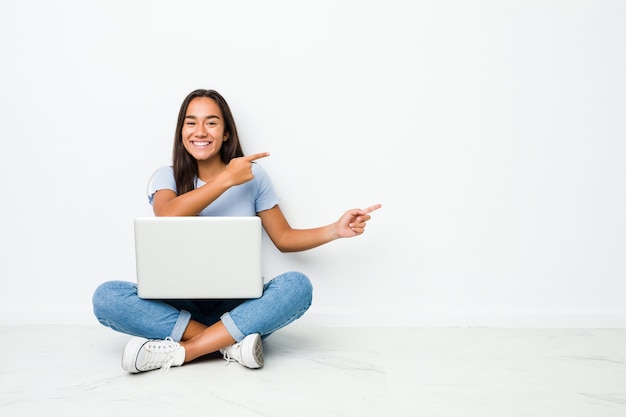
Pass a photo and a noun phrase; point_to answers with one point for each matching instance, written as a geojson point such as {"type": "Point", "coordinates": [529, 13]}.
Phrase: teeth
{"type": "Point", "coordinates": [201, 143]}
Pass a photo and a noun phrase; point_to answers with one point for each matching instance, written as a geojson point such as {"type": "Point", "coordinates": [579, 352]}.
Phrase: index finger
{"type": "Point", "coordinates": [371, 208]}
{"type": "Point", "coordinates": [256, 156]}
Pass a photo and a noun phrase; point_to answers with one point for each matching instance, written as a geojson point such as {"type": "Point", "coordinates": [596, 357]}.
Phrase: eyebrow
{"type": "Point", "coordinates": [205, 117]}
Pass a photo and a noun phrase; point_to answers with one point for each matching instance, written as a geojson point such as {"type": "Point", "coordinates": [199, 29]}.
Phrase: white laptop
{"type": "Point", "coordinates": [198, 257]}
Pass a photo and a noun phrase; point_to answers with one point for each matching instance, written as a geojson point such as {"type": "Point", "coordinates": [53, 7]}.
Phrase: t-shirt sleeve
{"type": "Point", "coordinates": [162, 179]}
{"type": "Point", "coordinates": [266, 195]}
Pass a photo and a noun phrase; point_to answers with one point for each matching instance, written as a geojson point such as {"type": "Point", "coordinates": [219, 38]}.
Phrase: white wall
{"type": "Point", "coordinates": [492, 132]}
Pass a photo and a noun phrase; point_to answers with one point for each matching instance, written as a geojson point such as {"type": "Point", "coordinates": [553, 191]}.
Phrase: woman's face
{"type": "Point", "coordinates": [203, 129]}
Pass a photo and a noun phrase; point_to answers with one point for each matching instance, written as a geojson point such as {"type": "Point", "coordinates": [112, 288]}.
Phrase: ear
{"type": "Point", "coordinates": [225, 137]}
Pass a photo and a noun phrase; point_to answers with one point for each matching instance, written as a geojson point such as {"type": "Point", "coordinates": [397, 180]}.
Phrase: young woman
{"type": "Point", "coordinates": [211, 176]}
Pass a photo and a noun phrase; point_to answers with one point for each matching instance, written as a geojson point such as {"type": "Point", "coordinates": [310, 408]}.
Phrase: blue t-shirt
{"type": "Point", "coordinates": [246, 199]}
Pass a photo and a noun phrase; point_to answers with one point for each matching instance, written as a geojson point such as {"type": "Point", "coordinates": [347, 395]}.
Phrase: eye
{"type": "Point", "coordinates": [190, 123]}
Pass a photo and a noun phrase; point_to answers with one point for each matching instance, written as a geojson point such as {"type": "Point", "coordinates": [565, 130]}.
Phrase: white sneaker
{"type": "Point", "coordinates": [248, 352]}
{"type": "Point", "coordinates": [142, 354]}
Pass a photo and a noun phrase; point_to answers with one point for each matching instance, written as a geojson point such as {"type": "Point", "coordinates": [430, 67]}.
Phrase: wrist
{"type": "Point", "coordinates": [224, 181]}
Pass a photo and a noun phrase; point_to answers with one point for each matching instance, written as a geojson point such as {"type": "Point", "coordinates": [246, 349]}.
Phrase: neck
{"type": "Point", "coordinates": [207, 170]}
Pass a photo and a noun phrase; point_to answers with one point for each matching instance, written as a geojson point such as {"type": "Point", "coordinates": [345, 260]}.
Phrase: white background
{"type": "Point", "coordinates": [492, 132]}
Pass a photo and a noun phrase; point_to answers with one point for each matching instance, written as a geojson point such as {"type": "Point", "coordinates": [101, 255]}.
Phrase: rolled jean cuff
{"type": "Point", "coordinates": [181, 325]}
{"type": "Point", "coordinates": [232, 328]}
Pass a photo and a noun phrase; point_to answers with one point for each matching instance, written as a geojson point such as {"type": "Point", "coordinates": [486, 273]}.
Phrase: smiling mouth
{"type": "Point", "coordinates": [201, 143]}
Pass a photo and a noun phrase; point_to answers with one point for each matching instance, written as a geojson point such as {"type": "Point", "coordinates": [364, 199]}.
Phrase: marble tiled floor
{"type": "Point", "coordinates": [325, 371]}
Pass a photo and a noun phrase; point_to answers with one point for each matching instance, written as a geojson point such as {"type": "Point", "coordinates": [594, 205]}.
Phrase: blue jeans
{"type": "Point", "coordinates": [285, 299]}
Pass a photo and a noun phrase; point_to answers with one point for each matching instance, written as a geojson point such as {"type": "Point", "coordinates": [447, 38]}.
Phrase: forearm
{"type": "Point", "coordinates": [297, 240]}
{"type": "Point", "coordinates": [192, 202]}
{"type": "Point", "coordinates": [287, 239]}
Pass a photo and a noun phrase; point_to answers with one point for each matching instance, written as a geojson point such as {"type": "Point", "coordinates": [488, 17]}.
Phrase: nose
{"type": "Point", "coordinates": [200, 130]}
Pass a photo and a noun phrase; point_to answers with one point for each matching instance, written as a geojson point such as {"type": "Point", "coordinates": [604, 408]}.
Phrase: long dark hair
{"type": "Point", "coordinates": [185, 166]}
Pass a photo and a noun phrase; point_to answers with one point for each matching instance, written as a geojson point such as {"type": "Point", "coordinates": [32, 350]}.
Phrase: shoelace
{"type": "Point", "coordinates": [160, 354]}
{"type": "Point", "coordinates": [227, 356]}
